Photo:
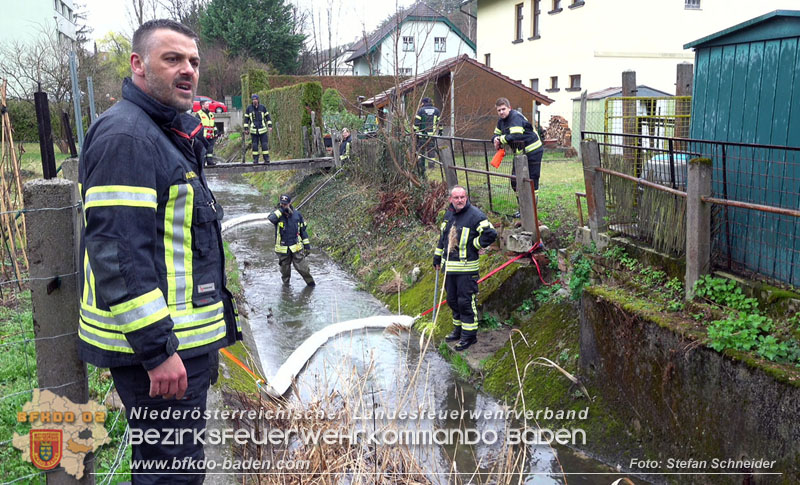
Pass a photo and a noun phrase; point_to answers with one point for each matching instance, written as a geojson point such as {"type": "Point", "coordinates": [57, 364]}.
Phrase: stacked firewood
{"type": "Point", "coordinates": [559, 131]}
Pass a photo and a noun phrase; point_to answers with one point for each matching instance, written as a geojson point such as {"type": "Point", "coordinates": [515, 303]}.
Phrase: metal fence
{"type": "Point", "coordinates": [755, 215]}
{"type": "Point", "coordinates": [491, 191]}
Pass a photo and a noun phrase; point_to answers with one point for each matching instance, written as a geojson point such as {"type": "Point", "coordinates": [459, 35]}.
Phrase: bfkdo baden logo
{"type": "Point", "coordinates": [46, 447]}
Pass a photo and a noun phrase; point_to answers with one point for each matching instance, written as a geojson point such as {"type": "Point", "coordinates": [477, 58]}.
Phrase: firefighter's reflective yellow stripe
{"type": "Point", "coordinates": [456, 323]}
{"type": "Point", "coordinates": [306, 241]}
{"type": "Point", "coordinates": [533, 146]}
{"type": "Point", "coordinates": [516, 130]}
{"type": "Point", "coordinates": [462, 266]}
{"type": "Point", "coordinates": [116, 341]}
{"type": "Point", "coordinates": [88, 284]}
{"type": "Point", "coordinates": [278, 213]}
{"type": "Point", "coordinates": [497, 131]}
{"type": "Point", "coordinates": [140, 312]}
{"type": "Point", "coordinates": [418, 117]}
{"type": "Point", "coordinates": [477, 243]}
{"type": "Point", "coordinates": [178, 245]}
{"type": "Point", "coordinates": [181, 319]}
{"type": "Point", "coordinates": [462, 243]}
{"type": "Point", "coordinates": [113, 341]}
{"type": "Point", "coordinates": [438, 252]}
{"type": "Point", "coordinates": [295, 248]}
{"type": "Point", "coordinates": [124, 195]}
{"type": "Point", "coordinates": [200, 336]}
{"type": "Point", "coordinates": [483, 225]}
{"type": "Point", "coordinates": [442, 226]}
{"type": "Point", "coordinates": [198, 316]}
{"type": "Point", "coordinates": [503, 140]}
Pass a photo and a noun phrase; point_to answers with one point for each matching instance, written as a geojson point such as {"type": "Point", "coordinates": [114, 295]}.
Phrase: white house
{"type": "Point", "coordinates": [420, 37]}
{"type": "Point", "coordinates": [29, 19]}
{"type": "Point", "coordinates": [562, 47]}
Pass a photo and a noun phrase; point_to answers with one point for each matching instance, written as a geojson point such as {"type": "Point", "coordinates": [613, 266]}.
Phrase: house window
{"type": "Point", "coordinates": [518, 22]}
{"type": "Point", "coordinates": [553, 84]}
{"type": "Point", "coordinates": [404, 71]}
{"type": "Point", "coordinates": [556, 6]}
{"type": "Point", "coordinates": [535, 11]}
{"type": "Point", "coordinates": [693, 4]}
{"type": "Point", "coordinates": [576, 4]}
{"type": "Point", "coordinates": [439, 44]}
{"type": "Point", "coordinates": [535, 84]}
{"type": "Point", "coordinates": [408, 44]}
{"type": "Point", "coordinates": [574, 82]}
{"type": "Point", "coordinates": [57, 5]}
{"type": "Point", "coordinates": [487, 60]}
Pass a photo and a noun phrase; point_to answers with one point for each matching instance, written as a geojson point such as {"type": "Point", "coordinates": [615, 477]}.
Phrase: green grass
{"type": "Point", "coordinates": [31, 160]}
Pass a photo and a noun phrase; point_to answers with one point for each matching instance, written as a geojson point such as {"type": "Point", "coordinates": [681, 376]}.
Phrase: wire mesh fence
{"type": "Point", "coordinates": [755, 228]}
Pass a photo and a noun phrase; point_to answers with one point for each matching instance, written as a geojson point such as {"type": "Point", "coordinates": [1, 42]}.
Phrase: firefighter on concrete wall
{"type": "Point", "coordinates": [258, 123]}
{"type": "Point", "coordinates": [465, 232]}
{"type": "Point", "coordinates": [206, 117]}
{"type": "Point", "coordinates": [291, 241]}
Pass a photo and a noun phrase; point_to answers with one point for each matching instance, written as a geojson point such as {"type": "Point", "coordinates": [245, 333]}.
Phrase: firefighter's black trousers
{"type": "Point", "coordinates": [534, 169]}
{"type": "Point", "coordinates": [133, 386]}
{"type": "Point", "coordinates": [461, 289]}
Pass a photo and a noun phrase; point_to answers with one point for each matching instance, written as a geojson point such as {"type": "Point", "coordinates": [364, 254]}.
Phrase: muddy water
{"type": "Point", "coordinates": [282, 317]}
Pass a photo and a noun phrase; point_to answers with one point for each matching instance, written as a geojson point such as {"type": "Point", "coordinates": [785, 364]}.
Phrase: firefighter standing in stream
{"type": "Point", "coordinates": [258, 122]}
{"type": "Point", "coordinates": [464, 232]}
{"type": "Point", "coordinates": [206, 117]}
{"type": "Point", "coordinates": [291, 241]}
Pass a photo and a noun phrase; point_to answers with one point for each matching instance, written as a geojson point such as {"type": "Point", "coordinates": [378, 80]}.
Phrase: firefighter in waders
{"type": "Point", "coordinates": [206, 117]}
{"type": "Point", "coordinates": [291, 241]}
{"type": "Point", "coordinates": [258, 122]}
{"type": "Point", "coordinates": [464, 232]}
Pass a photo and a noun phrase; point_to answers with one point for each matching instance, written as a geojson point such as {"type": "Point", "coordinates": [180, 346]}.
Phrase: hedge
{"type": "Point", "coordinates": [23, 120]}
{"type": "Point", "coordinates": [290, 109]}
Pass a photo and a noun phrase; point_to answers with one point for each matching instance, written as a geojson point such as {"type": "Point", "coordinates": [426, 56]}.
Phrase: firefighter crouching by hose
{"type": "Point", "coordinates": [258, 122]}
{"type": "Point", "coordinates": [209, 130]}
{"type": "Point", "coordinates": [464, 232]}
{"type": "Point", "coordinates": [291, 241]}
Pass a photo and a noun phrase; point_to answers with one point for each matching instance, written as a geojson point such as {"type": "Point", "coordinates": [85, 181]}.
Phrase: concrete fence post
{"type": "Point", "coordinates": [52, 220]}
{"type": "Point", "coordinates": [595, 189]}
{"type": "Point", "coordinates": [698, 222]}
{"type": "Point", "coordinates": [524, 193]}
{"type": "Point", "coordinates": [446, 155]}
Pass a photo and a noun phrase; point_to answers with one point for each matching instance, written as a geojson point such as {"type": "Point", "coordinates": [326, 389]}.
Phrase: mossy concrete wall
{"type": "Point", "coordinates": [690, 401]}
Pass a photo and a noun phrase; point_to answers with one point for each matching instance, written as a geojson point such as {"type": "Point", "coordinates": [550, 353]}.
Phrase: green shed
{"type": "Point", "coordinates": [747, 91]}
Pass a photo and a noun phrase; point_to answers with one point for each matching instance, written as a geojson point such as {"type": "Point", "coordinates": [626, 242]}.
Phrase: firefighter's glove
{"type": "Point", "coordinates": [437, 261]}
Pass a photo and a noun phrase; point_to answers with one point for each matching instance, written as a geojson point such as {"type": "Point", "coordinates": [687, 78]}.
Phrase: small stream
{"type": "Point", "coordinates": [282, 317]}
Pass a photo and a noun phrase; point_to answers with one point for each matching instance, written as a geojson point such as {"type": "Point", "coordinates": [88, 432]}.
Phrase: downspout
{"type": "Point", "coordinates": [452, 104]}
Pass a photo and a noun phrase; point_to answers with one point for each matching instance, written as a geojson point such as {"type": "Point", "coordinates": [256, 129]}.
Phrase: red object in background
{"type": "Point", "coordinates": [216, 106]}
{"type": "Point", "coordinates": [498, 158]}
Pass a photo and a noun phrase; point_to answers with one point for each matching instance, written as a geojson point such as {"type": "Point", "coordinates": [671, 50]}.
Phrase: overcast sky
{"type": "Point", "coordinates": [349, 18]}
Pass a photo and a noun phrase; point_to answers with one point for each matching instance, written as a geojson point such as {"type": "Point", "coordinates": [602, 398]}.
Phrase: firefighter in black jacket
{"type": "Point", "coordinates": [258, 122]}
{"type": "Point", "coordinates": [464, 232]}
{"type": "Point", "coordinates": [426, 124]}
{"type": "Point", "coordinates": [515, 131]}
{"type": "Point", "coordinates": [153, 303]}
{"type": "Point", "coordinates": [206, 117]}
{"type": "Point", "coordinates": [291, 241]}
{"type": "Point", "coordinates": [344, 148]}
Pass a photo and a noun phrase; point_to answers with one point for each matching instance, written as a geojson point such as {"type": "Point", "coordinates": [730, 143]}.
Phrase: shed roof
{"type": "Point", "coordinates": [437, 71]}
{"type": "Point", "coordinates": [420, 12]}
{"type": "Point", "coordinates": [641, 90]}
{"type": "Point", "coordinates": [773, 25]}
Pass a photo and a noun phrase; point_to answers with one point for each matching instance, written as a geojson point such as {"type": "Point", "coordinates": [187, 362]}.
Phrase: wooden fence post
{"type": "Point", "coordinates": [335, 149]}
{"type": "Point", "coordinates": [698, 222]}
{"type": "Point", "coordinates": [524, 194]}
{"type": "Point", "coordinates": [595, 189]}
{"type": "Point", "coordinates": [450, 176]}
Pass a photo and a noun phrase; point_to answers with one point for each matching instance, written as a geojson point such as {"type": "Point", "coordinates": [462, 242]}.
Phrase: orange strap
{"type": "Point", "coordinates": [237, 361]}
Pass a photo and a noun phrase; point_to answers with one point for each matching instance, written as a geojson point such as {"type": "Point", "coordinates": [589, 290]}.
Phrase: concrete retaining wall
{"type": "Point", "coordinates": [685, 400]}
